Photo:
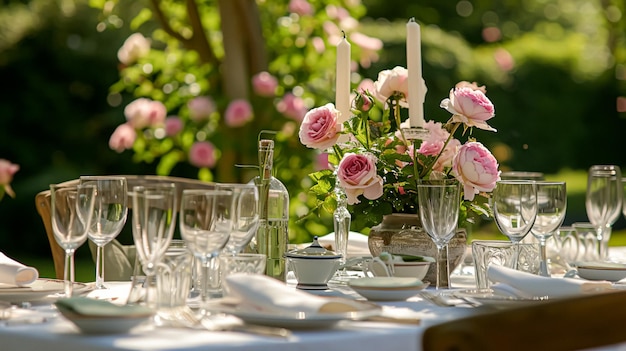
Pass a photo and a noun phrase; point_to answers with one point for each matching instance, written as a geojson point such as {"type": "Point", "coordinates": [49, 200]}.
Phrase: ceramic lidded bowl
{"type": "Point", "coordinates": [313, 266]}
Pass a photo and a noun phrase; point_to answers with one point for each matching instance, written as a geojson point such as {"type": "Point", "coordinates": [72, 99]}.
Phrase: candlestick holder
{"type": "Point", "coordinates": [415, 133]}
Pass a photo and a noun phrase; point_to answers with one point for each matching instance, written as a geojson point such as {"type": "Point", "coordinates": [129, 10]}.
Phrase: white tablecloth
{"type": "Point", "coordinates": [58, 334]}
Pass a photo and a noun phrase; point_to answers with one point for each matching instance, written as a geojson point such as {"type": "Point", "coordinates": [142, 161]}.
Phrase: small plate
{"type": "Point", "coordinates": [106, 325]}
{"type": "Point", "coordinates": [387, 288]}
{"type": "Point", "coordinates": [610, 271]}
{"type": "Point", "coordinates": [300, 320]}
{"type": "Point", "coordinates": [487, 297]}
{"type": "Point", "coordinates": [38, 290]}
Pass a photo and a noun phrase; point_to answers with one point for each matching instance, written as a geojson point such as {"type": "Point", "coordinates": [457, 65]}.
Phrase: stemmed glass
{"type": "Point", "coordinates": [110, 212]}
{"type": "Point", "coordinates": [439, 202]}
{"type": "Point", "coordinates": [604, 201]}
{"type": "Point", "coordinates": [514, 205]}
{"type": "Point", "coordinates": [206, 221]}
{"type": "Point", "coordinates": [551, 207]}
{"type": "Point", "coordinates": [246, 215]}
{"type": "Point", "coordinates": [154, 220]}
{"type": "Point", "coordinates": [72, 211]}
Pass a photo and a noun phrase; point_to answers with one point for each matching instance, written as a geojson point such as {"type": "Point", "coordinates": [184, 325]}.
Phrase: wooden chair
{"type": "Point", "coordinates": [121, 255]}
{"type": "Point", "coordinates": [566, 324]}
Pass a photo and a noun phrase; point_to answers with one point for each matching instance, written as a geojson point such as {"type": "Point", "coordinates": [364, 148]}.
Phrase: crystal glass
{"type": "Point", "coordinates": [72, 212]}
{"type": "Point", "coordinates": [439, 203]}
{"type": "Point", "coordinates": [246, 215]}
{"type": "Point", "coordinates": [154, 221]}
{"type": "Point", "coordinates": [514, 204]}
{"type": "Point", "coordinates": [206, 221]}
{"type": "Point", "coordinates": [109, 217]}
{"type": "Point", "coordinates": [551, 206]}
{"type": "Point", "coordinates": [604, 200]}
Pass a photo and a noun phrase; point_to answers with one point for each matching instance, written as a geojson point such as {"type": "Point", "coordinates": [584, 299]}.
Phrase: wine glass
{"type": "Point", "coordinates": [110, 212]}
{"type": "Point", "coordinates": [439, 202]}
{"type": "Point", "coordinates": [246, 215]}
{"type": "Point", "coordinates": [206, 221]}
{"type": "Point", "coordinates": [551, 206]}
{"type": "Point", "coordinates": [514, 205]}
{"type": "Point", "coordinates": [154, 220]}
{"type": "Point", "coordinates": [603, 200]}
{"type": "Point", "coordinates": [72, 212]}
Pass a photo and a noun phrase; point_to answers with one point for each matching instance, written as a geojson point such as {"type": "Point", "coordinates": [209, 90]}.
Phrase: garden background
{"type": "Point", "coordinates": [554, 69]}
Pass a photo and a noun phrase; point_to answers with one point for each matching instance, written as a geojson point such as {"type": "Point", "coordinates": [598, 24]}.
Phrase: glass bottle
{"type": "Point", "coordinates": [272, 236]}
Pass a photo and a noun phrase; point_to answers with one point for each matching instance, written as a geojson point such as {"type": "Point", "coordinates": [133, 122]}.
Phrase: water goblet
{"type": "Point", "coordinates": [72, 212]}
{"type": "Point", "coordinates": [110, 211]}
{"type": "Point", "coordinates": [206, 221]}
{"type": "Point", "coordinates": [154, 220]}
{"type": "Point", "coordinates": [551, 206]}
{"type": "Point", "coordinates": [439, 202]}
{"type": "Point", "coordinates": [603, 200]}
{"type": "Point", "coordinates": [246, 215]}
{"type": "Point", "coordinates": [514, 204]}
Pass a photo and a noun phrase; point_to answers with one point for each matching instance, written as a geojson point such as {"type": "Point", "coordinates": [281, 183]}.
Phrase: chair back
{"type": "Point", "coordinates": [44, 208]}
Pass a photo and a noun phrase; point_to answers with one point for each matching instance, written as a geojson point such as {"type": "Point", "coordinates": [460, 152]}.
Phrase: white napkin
{"type": "Point", "coordinates": [516, 283]}
{"type": "Point", "coordinates": [268, 295]}
{"type": "Point", "coordinates": [15, 273]}
{"type": "Point", "coordinates": [357, 243]}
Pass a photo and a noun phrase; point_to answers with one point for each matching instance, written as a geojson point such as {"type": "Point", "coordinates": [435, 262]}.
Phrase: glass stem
{"type": "Point", "coordinates": [204, 285]}
{"type": "Point", "coordinates": [443, 272]}
{"type": "Point", "coordinates": [68, 273]}
{"type": "Point", "coordinates": [100, 267]}
{"type": "Point", "coordinates": [543, 267]}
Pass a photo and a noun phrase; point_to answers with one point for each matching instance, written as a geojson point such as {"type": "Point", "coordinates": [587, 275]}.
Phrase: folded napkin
{"type": "Point", "coordinates": [357, 243]}
{"type": "Point", "coordinates": [268, 295]}
{"type": "Point", "coordinates": [99, 308]}
{"type": "Point", "coordinates": [15, 273]}
{"type": "Point", "coordinates": [516, 283]}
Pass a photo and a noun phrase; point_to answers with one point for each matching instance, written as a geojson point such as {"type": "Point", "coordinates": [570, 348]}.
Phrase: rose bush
{"type": "Point", "coordinates": [378, 167]}
{"type": "Point", "coordinates": [7, 171]}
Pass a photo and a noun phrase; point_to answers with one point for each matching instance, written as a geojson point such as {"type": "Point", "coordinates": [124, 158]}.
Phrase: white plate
{"type": "Point", "coordinates": [38, 290]}
{"type": "Point", "coordinates": [487, 297]}
{"type": "Point", "coordinates": [106, 325]}
{"type": "Point", "coordinates": [300, 320]}
{"type": "Point", "coordinates": [601, 271]}
{"type": "Point", "coordinates": [387, 288]}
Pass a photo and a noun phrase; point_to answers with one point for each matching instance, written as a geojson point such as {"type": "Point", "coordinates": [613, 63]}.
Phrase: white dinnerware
{"type": "Point", "coordinates": [313, 266]}
{"type": "Point", "coordinates": [110, 211]}
{"type": "Point", "coordinates": [387, 288]}
{"type": "Point", "coordinates": [42, 288]}
{"type": "Point", "coordinates": [610, 271]}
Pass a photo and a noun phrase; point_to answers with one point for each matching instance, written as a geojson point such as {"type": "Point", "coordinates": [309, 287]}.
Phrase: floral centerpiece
{"type": "Point", "coordinates": [378, 166]}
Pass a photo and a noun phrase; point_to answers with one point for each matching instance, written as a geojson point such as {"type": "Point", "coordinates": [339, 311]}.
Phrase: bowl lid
{"type": "Point", "coordinates": [313, 251]}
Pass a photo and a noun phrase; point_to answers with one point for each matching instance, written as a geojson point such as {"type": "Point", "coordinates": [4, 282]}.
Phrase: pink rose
{"type": "Point", "coordinates": [437, 137]}
{"type": "Point", "coordinates": [200, 108]}
{"type": "Point", "coordinates": [7, 170]}
{"type": "Point", "coordinates": [135, 47]}
{"type": "Point", "coordinates": [469, 106]}
{"type": "Point", "coordinates": [445, 160]}
{"type": "Point", "coordinates": [123, 137]}
{"type": "Point", "coordinates": [320, 127]}
{"type": "Point", "coordinates": [173, 125]}
{"type": "Point", "coordinates": [292, 106]}
{"type": "Point", "coordinates": [390, 82]}
{"type": "Point", "coordinates": [202, 154]}
{"type": "Point", "coordinates": [264, 84]}
{"type": "Point", "coordinates": [144, 112]}
{"type": "Point", "coordinates": [300, 7]}
{"type": "Point", "coordinates": [357, 175]}
{"type": "Point", "coordinates": [238, 113]}
{"type": "Point", "coordinates": [476, 168]}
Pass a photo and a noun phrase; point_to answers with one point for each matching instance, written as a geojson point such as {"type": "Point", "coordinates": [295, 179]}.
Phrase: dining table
{"type": "Point", "coordinates": [44, 328]}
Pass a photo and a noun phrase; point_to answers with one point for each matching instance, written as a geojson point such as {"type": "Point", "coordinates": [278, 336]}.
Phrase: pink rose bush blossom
{"type": "Point", "coordinates": [7, 171]}
{"type": "Point", "coordinates": [202, 154]}
{"type": "Point", "coordinates": [145, 112]}
{"type": "Point", "coordinates": [378, 167]}
{"type": "Point", "coordinates": [238, 113]}
{"type": "Point", "coordinates": [201, 108]}
{"type": "Point", "coordinates": [264, 84]}
{"type": "Point", "coordinates": [135, 47]}
{"type": "Point", "coordinates": [123, 137]}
